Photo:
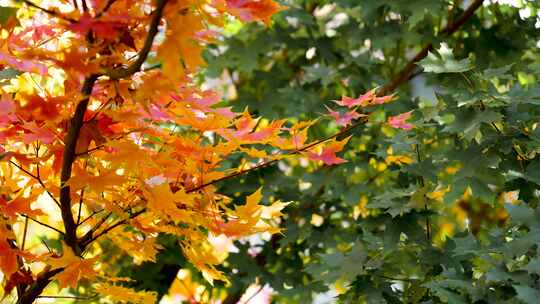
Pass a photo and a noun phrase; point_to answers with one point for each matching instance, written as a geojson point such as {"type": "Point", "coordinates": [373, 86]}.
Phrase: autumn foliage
{"type": "Point", "coordinates": [106, 134]}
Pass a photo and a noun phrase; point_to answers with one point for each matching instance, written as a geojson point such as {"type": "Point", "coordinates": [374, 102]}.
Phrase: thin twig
{"type": "Point", "coordinates": [101, 222]}
{"type": "Point", "coordinates": [80, 207]}
{"type": "Point", "coordinates": [105, 8]}
{"type": "Point", "coordinates": [98, 147]}
{"type": "Point", "coordinates": [43, 224]}
{"type": "Point", "coordinates": [36, 178]}
{"type": "Point", "coordinates": [117, 224]}
{"type": "Point", "coordinates": [90, 216]}
{"type": "Point", "coordinates": [24, 233]}
{"type": "Point", "coordinates": [254, 295]}
{"type": "Point", "coordinates": [48, 11]}
{"type": "Point", "coordinates": [395, 279]}
{"type": "Point", "coordinates": [46, 246]}
{"type": "Point", "coordinates": [84, 6]}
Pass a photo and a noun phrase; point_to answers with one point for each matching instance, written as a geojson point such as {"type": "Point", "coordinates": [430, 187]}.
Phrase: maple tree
{"type": "Point", "coordinates": [321, 169]}
{"type": "Point", "coordinates": [108, 138]}
{"type": "Point", "coordinates": [445, 212]}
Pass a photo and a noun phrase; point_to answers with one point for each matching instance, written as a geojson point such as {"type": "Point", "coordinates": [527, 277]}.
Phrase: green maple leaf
{"type": "Point", "coordinates": [445, 62]}
{"type": "Point", "coordinates": [527, 294]}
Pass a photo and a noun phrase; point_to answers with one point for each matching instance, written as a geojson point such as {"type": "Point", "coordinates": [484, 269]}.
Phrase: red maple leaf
{"type": "Point", "coordinates": [399, 121]}
{"type": "Point", "coordinates": [21, 277]}
{"type": "Point", "coordinates": [362, 100]}
{"type": "Point", "coordinates": [328, 153]}
{"type": "Point", "coordinates": [344, 119]}
{"type": "Point", "coordinates": [22, 64]}
{"type": "Point", "coordinates": [253, 10]}
{"type": "Point", "coordinates": [105, 29]}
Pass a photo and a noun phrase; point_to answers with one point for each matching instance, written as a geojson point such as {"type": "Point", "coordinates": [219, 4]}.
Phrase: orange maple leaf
{"type": "Point", "coordinates": [75, 268]}
{"type": "Point", "coordinates": [8, 259]}
{"type": "Point", "coordinates": [328, 153]}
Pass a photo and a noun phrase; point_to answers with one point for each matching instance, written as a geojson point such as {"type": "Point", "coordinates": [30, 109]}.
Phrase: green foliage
{"type": "Point", "coordinates": [6, 13]}
{"type": "Point", "coordinates": [444, 213]}
{"type": "Point", "coordinates": [445, 62]}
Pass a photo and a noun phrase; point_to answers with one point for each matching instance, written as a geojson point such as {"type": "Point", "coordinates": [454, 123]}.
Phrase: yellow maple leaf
{"type": "Point", "coordinates": [160, 198]}
{"type": "Point", "coordinates": [202, 256]}
{"type": "Point", "coordinates": [251, 211]}
{"type": "Point", "coordinates": [274, 210]}
{"type": "Point", "coordinates": [98, 183]}
{"type": "Point", "coordinates": [185, 288]}
{"type": "Point", "coordinates": [398, 159]}
{"type": "Point", "coordinates": [74, 268]}
{"type": "Point", "coordinates": [121, 294]}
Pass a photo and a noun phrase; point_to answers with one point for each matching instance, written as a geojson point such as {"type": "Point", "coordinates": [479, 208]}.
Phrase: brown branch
{"type": "Point", "coordinates": [30, 294]}
{"type": "Point", "coordinates": [404, 75]}
{"type": "Point", "coordinates": [105, 8]}
{"type": "Point", "coordinates": [84, 6]}
{"type": "Point", "coordinates": [68, 158]}
{"type": "Point", "coordinates": [468, 13]}
{"type": "Point", "coordinates": [122, 72]}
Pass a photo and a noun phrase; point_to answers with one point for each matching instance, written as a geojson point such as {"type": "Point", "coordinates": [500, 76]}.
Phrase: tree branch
{"type": "Point", "coordinates": [68, 158]}
{"type": "Point", "coordinates": [36, 178]}
{"type": "Point", "coordinates": [122, 72]}
{"type": "Point", "coordinates": [42, 224]}
{"type": "Point", "coordinates": [404, 75]}
{"type": "Point", "coordinates": [90, 216]}
{"type": "Point", "coordinates": [88, 235]}
{"type": "Point", "coordinates": [37, 287]}
{"type": "Point", "coordinates": [105, 8]}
